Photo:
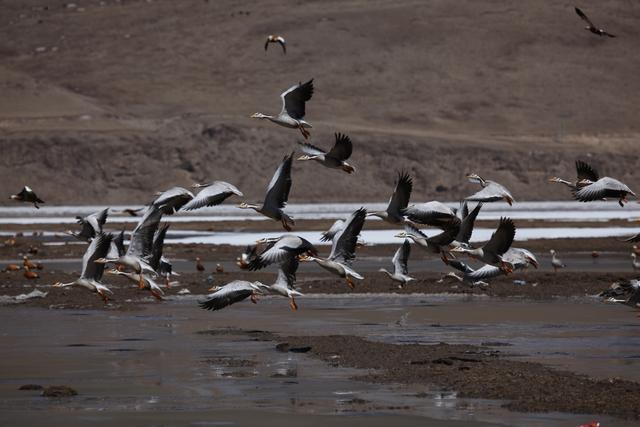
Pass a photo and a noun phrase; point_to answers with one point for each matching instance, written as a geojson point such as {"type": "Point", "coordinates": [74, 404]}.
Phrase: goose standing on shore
{"type": "Point", "coordinates": [556, 263]}
{"type": "Point", "coordinates": [398, 201]}
{"type": "Point", "coordinates": [212, 195]}
{"type": "Point", "coordinates": [400, 265]}
{"type": "Point", "coordinates": [343, 251]}
{"type": "Point", "coordinates": [336, 158]}
{"type": "Point", "coordinates": [492, 252]}
{"type": "Point", "coordinates": [27, 195]}
{"type": "Point", "coordinates": [277, 195]}
{"type": "Point", "coordinates": [491, 191]}
{"type": "Point", "coordinates": [91, 271]}
{"type": "Point", "coordinates": [293, 108]}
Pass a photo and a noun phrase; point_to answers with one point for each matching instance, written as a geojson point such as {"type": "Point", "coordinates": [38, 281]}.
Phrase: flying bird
{"type": "Point", "coordinates": [170, 201]}
{"type": "Point", "coordinates": [281, 249]}
{"type": "Point", "coordinates": [491, 191]}
{"type": "Point", "coordinates": [276, 39]}
{"type": "Point", "coordinates": [433, 213]}
{"type": "Point", "coordinates": [91, 225]}
{"type": "Point", "coordinates": [143, 282]}
{"type": "Point", "coordinates": [492, 252]}
{"type": "Point", "coordinates": [285, 282]}
{"type": "Point", "coordinates": [336, 158]}
{"type": "Point", "coordinates": [467, 224]}
{"type": "Point", "coordinates": [277, 195]}
{"type": "Point", "coordinates": [438, 244]}
{"type": "Point", "coordinates": [212, 195]}
{"type": "Point", "coordinates": [585, 174]}
{"type": "Point", "coordinates": [231, 293]}
{"type": "Point", "coordinates": [293, 108]}
{"type": "Point", "coordinates": [400, 268]}
{"type": "Point", "coordinates": [91, 270]}
{"type": "Point", "coordinates": [343, 251]}
{"type": "Point", "coordinates": [398, 201]}
{"type": "Point", "coordinates": [590, 27]}
{"type": "Point", "coordinates": [27, 195]}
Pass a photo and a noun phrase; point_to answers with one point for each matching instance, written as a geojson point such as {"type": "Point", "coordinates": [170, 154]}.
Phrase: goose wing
{"type": "Point", "coordinates": [157, 246]}
{"type": "Point", "coordinates": [447, 236]}
{"type": "Point", "coordinates": [331, 232]}
{"type": "Point", "coordinates": [431, 213]}
{"type": "Point", "coordinates": [342, 149]}
{"type": "Point", "coordinates": [586, 171]}
{"type": "Point", "coordinates": [279, 251]}
{"type": "Point", "coordinates": [280, 185]}
{"type": "Point", "coordinates": [310, 149]}
{"type": "Point", "coordinates": [502, 238]}
{"type": "Point", "coordinates": [172, 200]}
{"type": "Point", "coordinates": [584, 17]}
{"type": "Point", "coordinates": [401, 194]}
{"type": "Point", "coordinates": [460, 266]}
{"type": "Point", "coordinates": [294, 98]}
{"type": "Point", "coordinates": [468, 222]}
{"type": "Point", "coordinates": [401, 258]}
{"type": "Point", "coordinates": [493, 192]}
{"type": "Point", "coordinates": [604, 187]}
{"type": "Point", "coordinates": [287, 272]}
{"type": "Point", "coordinates": [98, 248]}
{"type": "Point", "coordinates": [344, 242]}
{"type": "Point", "coordinates": [231, 293]}
{"type": "Point", "coordinates": [485, 272]}
{"type": "Point", "coordinates": [141, 241]}
{"type": "Point", "coordinates": [212, 195]}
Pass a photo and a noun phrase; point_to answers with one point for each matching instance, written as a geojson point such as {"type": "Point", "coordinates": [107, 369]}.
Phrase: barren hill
{"type": "Point", "coordinates": [110, 101]}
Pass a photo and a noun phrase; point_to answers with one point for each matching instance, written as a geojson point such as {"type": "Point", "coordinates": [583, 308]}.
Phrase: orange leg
{"type": "Point", "coordinates": [285, 225]}
{"type": "Point", "coordinates": [350, 283]}
{"type": "Point", "coordinates": [293, 304]}
{"type": "Point", "coordinates": [254, 299]}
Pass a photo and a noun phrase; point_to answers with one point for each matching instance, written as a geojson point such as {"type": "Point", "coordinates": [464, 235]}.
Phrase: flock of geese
{"type": "Point", "coordinates": [143, 263]}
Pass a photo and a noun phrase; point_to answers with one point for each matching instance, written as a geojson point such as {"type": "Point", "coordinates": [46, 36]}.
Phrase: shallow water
{"type": "Point", "coordinates": [153, 364]}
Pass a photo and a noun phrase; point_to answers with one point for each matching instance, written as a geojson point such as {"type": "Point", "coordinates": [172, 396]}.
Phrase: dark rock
{"type": "Point", "coordinates": [30, 387]}
{"type": "Point", "coordinates": [59, 391]}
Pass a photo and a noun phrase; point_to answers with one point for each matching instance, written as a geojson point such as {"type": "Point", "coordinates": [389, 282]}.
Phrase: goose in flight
{"type": "Point", "coordinates": [212, 195]}
{"type": "Point", "coordinates": [491, 191]}
{"type": "Point", "coordinates": [27, 195]}
{"type": "Point", "coordinates": [343, 250]}
{"type": "Point", "coordinates": [625, 292]}
{"type": "Point", "coordinates": [91, 225]}
{"type": "Point", "coordinates": [590, 27]}
{"type": "Point", "coordinates": [492, 252]}
{"type": "Point", "coordinates": [277, 195]}
{"type": "Point", "coordinates": [336, 158]}
{"type": "Point", "coordinates": [170, 201]}
{"type": "Point", "coordinates": [398, 201]}
{"type": "Point", "coordinates": [280, 250]}
{"type": "Point", "coordinates": [140, 246]}
{"type": "Point", "coordinates": [91, 271]}
{"type": "Point", "coordinates": [434, 213]}
{"type": "Point", "coordinates": [438, 244]}
{"type": "Point", "coordinates": [293, 108]}
{"type": "Point", "coordinates": [231, 293]}
{"type": "Point", "coordinates": [519, 258]}
{"type": "Point", "coordinates": [603, 188]}
{"type": "Point", "coordinates": [285, 282]}
{"type": "Point", "coordinates": [585, 173]}
{"type": "Point", "coordinates": [400, 269]}
{"type": "Point", "coordinates": [556, 263]}
{"type": "Point", "coordinates": [468, 220]}
{"type": "Point", "coordinates": [276, 39]}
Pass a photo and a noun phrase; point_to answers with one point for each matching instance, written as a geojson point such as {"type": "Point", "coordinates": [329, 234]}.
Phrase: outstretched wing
{"type": "Point", "coordinates": [98, 248]}
{"type": "Point", "coordinates": [142, 236]}
{"type": "Point", "coordinates": [466, 226]}
{"type": "Point", "coordinates": [502, 238]}
{"type": "Point", "coordinates": [342, 148]}
{"type": "Point", "coordinates": [287, 272]}
{"type": "Point", "coordinates": [344, 242]}
{"type": "Point", "coordinates": [212, 195]}
{"type": "Point", "coordinates": [584, 17]}
{"type": "Point", "coordinates": [401, 258]}
{"type": "Point", "coordinates": [294, 98]}
{"type": "Point", "coordinates": [401, 194]}
{"type": "Point", "coordinates": [280, 185]}
{"type": "Point", "coordinates": [586, 171]}
{"type": "Point", "coordinates": [229, 294]}
{"type": "Point", "coordinates": [311, 150]}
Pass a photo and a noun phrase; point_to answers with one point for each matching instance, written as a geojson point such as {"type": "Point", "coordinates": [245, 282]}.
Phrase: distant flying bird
{"type": "Point", "coordinates": [281, 249]}
{"type": "Point", "coordinates": [595, 30]}
{"type": "Point", "coordinates": [556, 263]}
{"type": "Point", "coordinates": [343, 251]}
{"type": "Point", "coordinates": [91, 270]}
{"type": "Point", "coordinates": [491, 191]}
{"type": "Point", "coordinates": [400, 265]}
{"type": "Point", "coordinates": [277, 195]}
{"type": "Point", "coordinates": [91, 224]}
{"type": "Point", "coordinates": [27, 195]}
{"type": "Point", "coordinates": [334, 158]}
{"type": "Point", "coordinates": [231, 293]}
{"type": "Point", "coordinates": [293, 108]}
{"type": "Point", "coordinates": [492, 252]}
{"type": "Point", "coordinates": [212, 195]}
{"type": "Point", "coordinates": [276, 39]}
{"type": "Point", "coordinates": [398, 201]}
{"type": "Point", "coordinates": [131, 212]}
